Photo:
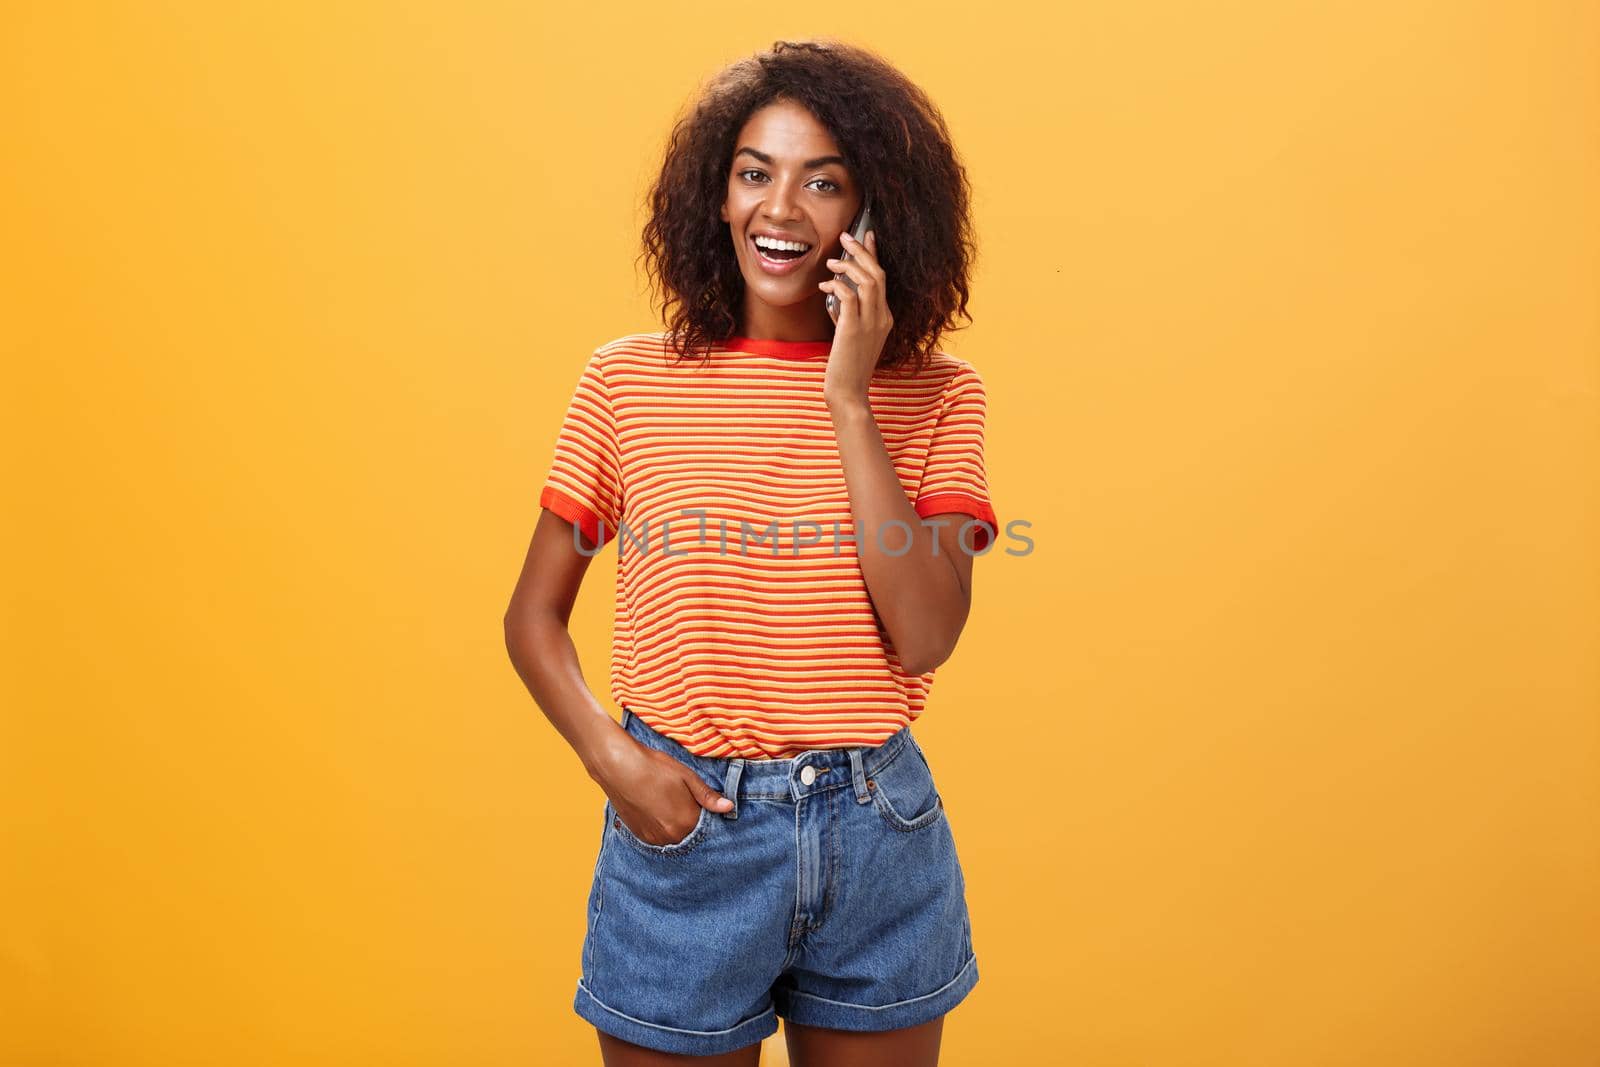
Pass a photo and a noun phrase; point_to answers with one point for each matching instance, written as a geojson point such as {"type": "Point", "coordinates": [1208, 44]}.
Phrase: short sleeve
{"type": "Point", "coordinates": [954, 478]}
{"type": "Point", "coordinates": [584, 485]}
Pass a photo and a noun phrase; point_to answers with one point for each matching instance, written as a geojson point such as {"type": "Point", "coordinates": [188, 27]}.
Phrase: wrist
{"type": "Point", "coordinates": [604, 750]}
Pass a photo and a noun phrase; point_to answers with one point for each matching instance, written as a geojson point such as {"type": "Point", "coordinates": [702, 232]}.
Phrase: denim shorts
{"type": "Point", "coordinates": [830, 895]}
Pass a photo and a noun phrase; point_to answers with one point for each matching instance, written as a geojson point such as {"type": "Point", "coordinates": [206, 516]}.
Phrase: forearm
{"type": "Point", "coordinates": [545, 658]}
{"type": "Point", "coordinates": [917, 592]}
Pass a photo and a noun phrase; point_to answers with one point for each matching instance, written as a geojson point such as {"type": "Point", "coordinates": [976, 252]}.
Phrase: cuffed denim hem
{"type": "Point", "coordinates": [807, 1009]}
{"type": "Point", "coordinates": [671, 1038]}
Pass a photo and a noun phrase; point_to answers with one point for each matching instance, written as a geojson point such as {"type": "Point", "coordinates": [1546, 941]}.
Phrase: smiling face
{"type": "Point", "coordinates": [787, 181]}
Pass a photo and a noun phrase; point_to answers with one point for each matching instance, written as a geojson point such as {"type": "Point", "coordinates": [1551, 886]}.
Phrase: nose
{"type": "Point", "coordinates": [780, 205]}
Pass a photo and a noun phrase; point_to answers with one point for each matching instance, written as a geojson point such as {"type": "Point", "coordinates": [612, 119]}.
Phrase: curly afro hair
{"type": "Point", "coordinates": [898, 150]}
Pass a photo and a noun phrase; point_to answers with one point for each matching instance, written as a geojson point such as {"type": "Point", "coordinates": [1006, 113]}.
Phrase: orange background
{"type": "Point", "coordinates": [1281, 747]}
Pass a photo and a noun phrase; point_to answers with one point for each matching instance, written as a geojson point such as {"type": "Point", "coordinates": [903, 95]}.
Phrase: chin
{"type": "Point", "coordinates": [786, 293]}
{"type": "Point", "coordinates": [755, 294]}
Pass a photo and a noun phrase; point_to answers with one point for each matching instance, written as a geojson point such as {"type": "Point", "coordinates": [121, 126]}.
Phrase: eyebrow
{"type": "Point", "coordinates": [763, 157]}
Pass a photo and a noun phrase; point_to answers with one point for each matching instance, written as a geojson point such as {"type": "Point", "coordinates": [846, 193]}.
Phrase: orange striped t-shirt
{"type": "Point", "coordinates": [768, 646]}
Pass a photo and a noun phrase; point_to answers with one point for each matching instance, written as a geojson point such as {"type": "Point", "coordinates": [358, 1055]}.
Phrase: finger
{"type": "Point", "coordinates": [859, 272]}
{"type": "Point", "coordinates": [832, 309]}
{"type": "Point", "coordinates": [867, 253]}
{"type": "Point", "coordinates": [708, 797]}
{"type": "Point", "coordinates": [850, 267]}
{"type": "Point", "coordinates": [846, 295]}
{"type": "Point", "coordinates": [871, 305]}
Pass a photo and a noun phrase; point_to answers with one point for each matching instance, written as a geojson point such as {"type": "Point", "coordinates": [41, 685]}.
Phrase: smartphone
{"type": "Point", "coordinates": [858, 230]}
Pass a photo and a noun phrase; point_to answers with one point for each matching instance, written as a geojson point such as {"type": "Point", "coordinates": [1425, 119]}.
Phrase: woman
{"type": "Point", "coordinates": [798, 497]}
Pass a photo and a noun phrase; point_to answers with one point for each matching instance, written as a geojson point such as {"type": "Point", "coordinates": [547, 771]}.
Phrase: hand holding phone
{"type": "Point", "coordinates": [858, 230]}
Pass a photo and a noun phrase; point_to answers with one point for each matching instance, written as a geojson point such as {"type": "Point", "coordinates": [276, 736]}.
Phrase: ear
{"type": "Point", "coordinates": [724, 212]}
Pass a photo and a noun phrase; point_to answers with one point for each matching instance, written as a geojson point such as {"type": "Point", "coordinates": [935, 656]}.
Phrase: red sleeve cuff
{"type": "Point", "coordinates": [576, 512]}
{"type": "Point", "coordinates": [966, 504]}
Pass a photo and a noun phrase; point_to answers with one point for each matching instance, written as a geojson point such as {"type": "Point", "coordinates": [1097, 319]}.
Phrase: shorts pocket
{"type": "Point", "coordinates": [676, 848]}
{"type": "Point", "coordinates": [904, 792]}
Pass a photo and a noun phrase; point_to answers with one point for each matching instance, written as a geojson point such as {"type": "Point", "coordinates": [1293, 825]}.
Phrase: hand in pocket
{"type": "Point", "coordinates": [657, 798]}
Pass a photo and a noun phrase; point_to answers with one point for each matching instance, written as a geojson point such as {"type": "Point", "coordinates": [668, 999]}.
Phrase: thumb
{"type": "Point", "coordinates": [708, 797]}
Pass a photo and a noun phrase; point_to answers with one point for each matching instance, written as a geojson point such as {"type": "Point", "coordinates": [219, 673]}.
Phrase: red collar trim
{"type": "Point", "coordinates": [782, 349]}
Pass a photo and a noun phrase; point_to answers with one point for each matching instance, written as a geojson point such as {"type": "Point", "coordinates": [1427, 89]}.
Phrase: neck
{"type": "Point", "coordinates": [807, 321]}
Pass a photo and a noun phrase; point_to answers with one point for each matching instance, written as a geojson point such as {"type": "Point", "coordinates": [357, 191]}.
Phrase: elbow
{"type": "Point", "coordinates": [512, 626]}
{"type": "Point", "coordinates": [530, 628]}
{"type": "Point", "coordinates": [929, 649]}
{"type": "Point", "coordinates": [518, 626]}
{"type": "Point", "coordinates": [522, 610]}
{"type": "Point", "coordinates": [527, 644]}
{"type": "Point", "coordinates": [926, 642]}
{"type": "Point", "coordinates": [932, 654]}
{"type": "Point", "coordinates": [921, 661]}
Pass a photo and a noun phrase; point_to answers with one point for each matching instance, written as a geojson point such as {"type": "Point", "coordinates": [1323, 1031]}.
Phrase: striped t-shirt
{"type": "Point", "coordinates": [766, 646]}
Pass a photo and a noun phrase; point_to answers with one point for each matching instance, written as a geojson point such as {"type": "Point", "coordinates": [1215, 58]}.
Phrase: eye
{"type": "Point", "coordinates": [833, 187]}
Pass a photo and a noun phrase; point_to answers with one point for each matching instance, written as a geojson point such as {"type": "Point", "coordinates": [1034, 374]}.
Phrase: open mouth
{"type": "Point", "coordinates": [778, 261]}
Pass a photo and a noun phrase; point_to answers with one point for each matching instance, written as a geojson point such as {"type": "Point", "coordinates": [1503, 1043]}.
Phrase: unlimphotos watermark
{"type": "Point", "coordinates": [841, 534]}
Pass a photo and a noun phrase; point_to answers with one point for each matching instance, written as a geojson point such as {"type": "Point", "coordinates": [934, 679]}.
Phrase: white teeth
{"type": "Point", "coordinates": [782, 246]}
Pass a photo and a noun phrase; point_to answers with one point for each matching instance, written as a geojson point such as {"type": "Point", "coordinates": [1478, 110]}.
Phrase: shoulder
{"type": "Point", "coordinates": [954, 375]}
{"type": "Point", "coordinates": [613, 359]}
{"type": "Point", "coordinates": [652, 342]}
{"type": "Point", "coordinates": [645, 351]}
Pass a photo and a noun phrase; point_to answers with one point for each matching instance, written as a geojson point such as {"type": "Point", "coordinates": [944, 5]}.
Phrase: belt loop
{"type": "Point", "coordinates": [730, 786]}
{"type": "Point", "coordinates": [858, 776]}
